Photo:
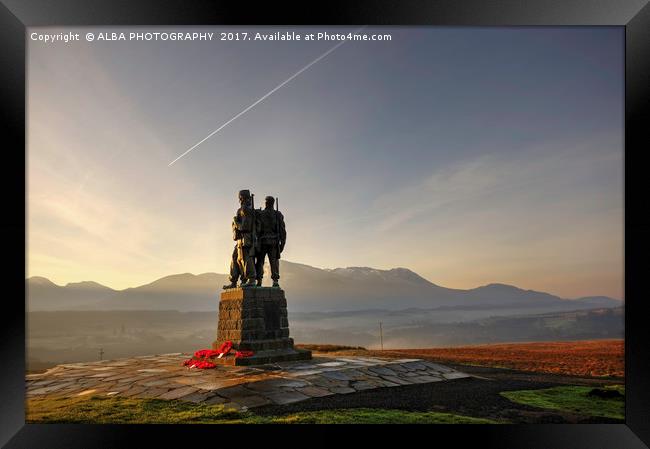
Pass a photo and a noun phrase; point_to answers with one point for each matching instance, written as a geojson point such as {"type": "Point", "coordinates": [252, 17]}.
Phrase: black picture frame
{"type": "Point", "coordinates": [634, 15]}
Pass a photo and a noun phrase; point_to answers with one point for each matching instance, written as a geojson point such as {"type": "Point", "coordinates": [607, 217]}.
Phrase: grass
{"type": "Point", "coordinates": [593, 358]}
{"type": "Point", "coordinates": [329, 348]}
{"type": "Point", "coordinates": [572, 399]}
{"type": "Point", "coordinates": [100, 410]}
{"type": "Point", "coordinates": [378, 416]}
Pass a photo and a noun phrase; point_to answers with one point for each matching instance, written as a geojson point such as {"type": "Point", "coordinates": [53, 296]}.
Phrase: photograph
{"type": "Point", "coordinates": [325, 225]}
{"type": "Point", "coordinates": [340, 217]}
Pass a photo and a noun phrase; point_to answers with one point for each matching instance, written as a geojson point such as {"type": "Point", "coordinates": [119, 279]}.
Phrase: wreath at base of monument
{"type": "Point", "coordinates": [201, 358]}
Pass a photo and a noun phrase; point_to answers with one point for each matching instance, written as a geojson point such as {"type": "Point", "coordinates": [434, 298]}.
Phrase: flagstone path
{"type": "Point", "coordinates": [165, 377]}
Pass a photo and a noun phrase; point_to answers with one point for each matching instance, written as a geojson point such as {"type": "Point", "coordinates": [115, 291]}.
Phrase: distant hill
{"type": "Point", "coordinates": [42, 294]}
{"type": "Point", "coordinates": [308, 289]}
{"type": "Point", "coordinates": [600, 323]}
{"type": "Point", "coordinates": [183, 292]}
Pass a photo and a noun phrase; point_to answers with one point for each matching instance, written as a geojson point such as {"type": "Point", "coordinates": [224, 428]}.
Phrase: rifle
{"type": "Point", "coordinates": [254, 230]}
{"type": "Point", "coordinates": [277, 223]}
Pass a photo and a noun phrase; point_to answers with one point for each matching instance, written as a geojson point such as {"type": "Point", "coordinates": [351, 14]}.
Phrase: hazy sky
{"type": "Point", "coordinates": [469, 155]}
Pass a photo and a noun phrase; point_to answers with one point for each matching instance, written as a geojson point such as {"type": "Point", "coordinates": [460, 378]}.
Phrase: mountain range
{"type": "Point", "coordinates": [308, 289]}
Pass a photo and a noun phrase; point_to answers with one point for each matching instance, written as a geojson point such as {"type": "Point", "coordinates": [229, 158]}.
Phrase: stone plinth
{"type": "Point", "coordinates": [255, 319]}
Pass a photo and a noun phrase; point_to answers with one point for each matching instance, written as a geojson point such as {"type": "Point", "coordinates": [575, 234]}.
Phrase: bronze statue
{"type": "Point", "coordinates": [258, 233]}
{"type": "Point", "coordinates": [272, 238]}
{"type": "Point", "coordinates": [244, 227]}
{"type": "Point", "coordinates": [235, 271]}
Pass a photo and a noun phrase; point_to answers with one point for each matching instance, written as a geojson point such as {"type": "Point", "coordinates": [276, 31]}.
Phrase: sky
{"type": "Point", "coordinates": [468, 155]}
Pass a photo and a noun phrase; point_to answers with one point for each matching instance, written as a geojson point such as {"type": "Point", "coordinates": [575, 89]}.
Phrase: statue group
{"type": "Point", "coordinates": [259, 233]}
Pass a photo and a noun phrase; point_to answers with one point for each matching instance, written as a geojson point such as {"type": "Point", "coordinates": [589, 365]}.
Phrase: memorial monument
{"type": "Point", "coordinates": [252, 317]}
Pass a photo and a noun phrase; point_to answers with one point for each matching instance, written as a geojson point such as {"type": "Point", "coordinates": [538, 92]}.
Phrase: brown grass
{"type": "Point", "coordinates": [330, 348]}
{"type": "Point", "coordinates": [598, 358]}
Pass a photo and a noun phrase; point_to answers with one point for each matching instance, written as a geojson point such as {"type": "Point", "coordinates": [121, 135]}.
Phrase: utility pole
{"type": "Point", "coordinates": [101, 353]}
{"type": "Point", "coordinates": [381, 336]}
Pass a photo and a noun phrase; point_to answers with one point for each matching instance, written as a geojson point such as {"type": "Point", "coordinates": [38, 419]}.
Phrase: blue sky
{"type": "Point", "coordinates": [469, 155]}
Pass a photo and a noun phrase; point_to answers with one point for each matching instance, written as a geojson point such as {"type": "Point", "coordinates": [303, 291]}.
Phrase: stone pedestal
{"type": "Point", "coordinates": [255, 319]}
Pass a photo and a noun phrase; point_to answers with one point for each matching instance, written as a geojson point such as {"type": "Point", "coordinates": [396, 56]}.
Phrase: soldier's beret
{"type": "Point", "coordinates": [245, 193]}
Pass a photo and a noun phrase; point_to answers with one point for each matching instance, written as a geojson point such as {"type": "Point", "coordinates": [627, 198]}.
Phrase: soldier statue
{"type": "Point", "coordinates": [244, 227]}
{"type": "Point", "coordinates": [272, 236]}
{"type": "Point", "coordinates": [235, 270]}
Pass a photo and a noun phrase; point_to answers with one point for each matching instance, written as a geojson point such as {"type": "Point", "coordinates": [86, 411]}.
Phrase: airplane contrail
{"type": "Point", "coordinates": [262, 98]}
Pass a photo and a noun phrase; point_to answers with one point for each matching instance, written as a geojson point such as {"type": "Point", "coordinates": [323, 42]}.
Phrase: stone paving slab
{"type": "Point", "coordinates": [165, 377]}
